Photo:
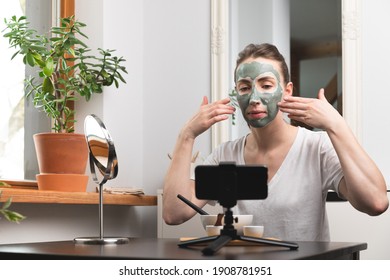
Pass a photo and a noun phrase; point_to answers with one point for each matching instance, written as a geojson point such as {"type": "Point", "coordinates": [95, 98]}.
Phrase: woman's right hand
{"type": "Point", "coordinates": [208, 115]}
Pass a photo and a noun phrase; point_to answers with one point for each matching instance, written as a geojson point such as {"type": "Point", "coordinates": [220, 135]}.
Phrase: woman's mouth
{"type": "Point", "coordinates": [257, 114]}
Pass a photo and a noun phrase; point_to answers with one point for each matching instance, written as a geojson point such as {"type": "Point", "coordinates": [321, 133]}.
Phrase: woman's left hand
{"type": "Point", "coordinates": [315, 112]}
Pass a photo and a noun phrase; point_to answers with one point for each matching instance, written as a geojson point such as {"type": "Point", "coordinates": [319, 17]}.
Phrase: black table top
{"type": "Point", "coordinates": [154, 248]}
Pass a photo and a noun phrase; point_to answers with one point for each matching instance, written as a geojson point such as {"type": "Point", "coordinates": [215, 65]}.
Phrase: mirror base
{"type": "Point", "coordinates": [101, 241]}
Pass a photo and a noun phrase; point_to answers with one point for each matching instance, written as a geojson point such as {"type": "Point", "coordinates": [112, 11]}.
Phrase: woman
{"type": "Point", "coordinates": [302, 165]}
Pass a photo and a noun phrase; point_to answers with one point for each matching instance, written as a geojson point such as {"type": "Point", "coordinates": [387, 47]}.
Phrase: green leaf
{"type": "Point", "coordinates": [15, 54]}
{"type": "Point", "coordinates": [8, 214]}
{"type": "Point", "coordinates": [120, 77]}
{"type": "Point", "coordinates": [49, 67]}
{"type": "Point", "coordinates": [71, 51]}
{"type": "Point", "coordinates": [12, 216]}
{"type": "Point", "coordinates": [30, 59]}
{"type": "Point", "coordinates": [7, 204]}
{"type": "Point", "coordinates": [47, 86]}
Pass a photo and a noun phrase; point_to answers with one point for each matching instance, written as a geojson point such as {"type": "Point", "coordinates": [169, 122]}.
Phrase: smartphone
{"type": "Point", "coordinates": [228, 181]}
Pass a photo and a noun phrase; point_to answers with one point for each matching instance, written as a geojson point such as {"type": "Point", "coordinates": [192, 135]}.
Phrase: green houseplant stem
{"type": "Point", "coordinates": [67, 70]}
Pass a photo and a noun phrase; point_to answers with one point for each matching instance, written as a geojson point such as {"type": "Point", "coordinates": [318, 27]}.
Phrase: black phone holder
{"type": "Point", "coordinates": [220, 182]}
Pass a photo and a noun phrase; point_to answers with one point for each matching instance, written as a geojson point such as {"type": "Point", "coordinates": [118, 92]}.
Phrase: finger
{"type": "Point", "coordinates": [223, 101]}
{"type": "Point", "coordinates": [289, 98]}
{"type": "Point", "coordinates": [294, 106]}
{"type": "Point", "coordinates": [205, 101]}
{"type": "Point", "coordinates": [288, 107]}
{"type": "Point", "coordinates": [222, 104]}
{"type": "Point", "coordinates": [321, 95]}
{"type": "Point", "coordinates": [301, 119]}
{"type": "Point", "coordinates": [219, 118]}
{"type": "Point", "coordinates": [295, 113]}
{"type": "Point", "coordinates": [214, 112]}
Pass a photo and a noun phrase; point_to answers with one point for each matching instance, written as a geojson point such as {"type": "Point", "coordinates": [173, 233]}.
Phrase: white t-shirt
{"type": "Point", "coordinates": [295, 207]}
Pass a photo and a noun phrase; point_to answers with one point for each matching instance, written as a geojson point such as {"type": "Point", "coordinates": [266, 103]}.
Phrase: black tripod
{"type": "Point", "coordinates": [219, 182]}
{"type": "Point", "coordinates": [229, 233]}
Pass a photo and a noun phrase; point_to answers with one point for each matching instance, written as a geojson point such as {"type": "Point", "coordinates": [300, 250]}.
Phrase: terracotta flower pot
{"type": "Point", "coordinates": [61, 153]}
{"type": "Point", "coordinates": [65, 153]}
{"type": "Point", "coordinates": [62, 182]}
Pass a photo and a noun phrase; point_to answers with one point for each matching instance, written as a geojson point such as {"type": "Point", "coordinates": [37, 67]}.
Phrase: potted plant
{"type": "Point", "coordinates": [67, 71]}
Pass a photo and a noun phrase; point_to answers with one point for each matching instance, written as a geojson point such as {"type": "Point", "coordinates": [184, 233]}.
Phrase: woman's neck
{"type": "Point", "coordinates": [277, 133]}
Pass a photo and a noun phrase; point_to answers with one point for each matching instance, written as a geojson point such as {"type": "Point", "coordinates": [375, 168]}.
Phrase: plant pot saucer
{"type": "Point", "coordinates": [62, 182]}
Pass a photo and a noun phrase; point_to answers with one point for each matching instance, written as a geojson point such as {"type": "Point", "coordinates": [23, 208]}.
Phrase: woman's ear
{"type": "Point", "coordinates": [289, 89]}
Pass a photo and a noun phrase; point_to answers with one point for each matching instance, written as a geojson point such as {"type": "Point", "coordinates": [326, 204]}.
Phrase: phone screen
{"type": "Point", "coordinates": [230, 181]}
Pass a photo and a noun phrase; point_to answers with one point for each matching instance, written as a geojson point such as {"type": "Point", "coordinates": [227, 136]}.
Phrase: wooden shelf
{"type": "Point", "coordinates": [53, 197]}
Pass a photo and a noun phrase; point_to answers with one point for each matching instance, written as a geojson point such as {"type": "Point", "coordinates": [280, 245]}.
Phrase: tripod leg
{"type": "Point", "coordinates": [291, 245]}
{"type": "Point", "coordinates": [217, 244]}
{"type": "Point", "coordinates": [200, 240]}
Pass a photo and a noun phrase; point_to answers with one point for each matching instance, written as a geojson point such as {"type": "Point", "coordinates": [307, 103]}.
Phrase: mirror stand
{"type": "Point", "coordinates": [101, 240]}
{"type": "Point", "coordinates": [102, 155]}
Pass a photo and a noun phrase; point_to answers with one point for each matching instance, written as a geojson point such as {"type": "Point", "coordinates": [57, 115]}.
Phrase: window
{"type": "Point", "coordinates": [19, 119]}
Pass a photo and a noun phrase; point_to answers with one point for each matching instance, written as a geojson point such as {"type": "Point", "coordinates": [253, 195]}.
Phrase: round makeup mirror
{"type": "Point", "coordinates": [102, 156]}
{"type": "Point", "coordinates": [101, 150]}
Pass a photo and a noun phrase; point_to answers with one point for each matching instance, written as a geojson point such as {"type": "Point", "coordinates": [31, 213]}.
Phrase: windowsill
{"type": "Point", "coordinates": [28, 195]}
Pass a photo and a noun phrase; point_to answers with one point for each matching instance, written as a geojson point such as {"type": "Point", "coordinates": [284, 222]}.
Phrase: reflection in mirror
{"type": "Point", "coordinates": [307, 33]}
{"type": "Point", "coordinates": [315, 48]}
{"type": "Point", "coordinates": [222, 48]}
{"type": "Point", "coordinates": [101, 148]}
{"type": "Point", "coordinates": [102, 155]}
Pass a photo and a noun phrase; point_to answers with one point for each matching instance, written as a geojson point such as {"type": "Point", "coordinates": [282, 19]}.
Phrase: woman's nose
{"type": "Point", "coordinates": [255, 98]}
{"type": "Point", "coordinates": [254, 102]}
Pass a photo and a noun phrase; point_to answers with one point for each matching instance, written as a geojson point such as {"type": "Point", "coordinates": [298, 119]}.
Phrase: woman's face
{"type": "Point", "coordinates": [259, 89]}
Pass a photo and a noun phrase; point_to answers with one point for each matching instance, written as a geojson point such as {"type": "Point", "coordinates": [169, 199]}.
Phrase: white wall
{"type": "Point", "coordinates": [166, 44]}
{"type": "Point", "coordinates": [345, 222]}
{"type": "Point", "coordinates": [375, 60]}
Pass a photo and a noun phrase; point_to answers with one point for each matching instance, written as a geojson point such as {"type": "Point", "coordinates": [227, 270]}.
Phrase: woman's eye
{"type": "Point", "coordinates": [267, 86]}
{"type": "Point", "coordinates": [244, 90]}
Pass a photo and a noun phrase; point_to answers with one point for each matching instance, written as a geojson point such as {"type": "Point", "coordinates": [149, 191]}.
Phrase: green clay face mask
{"type": "Point", "coordinates": [259, 90]}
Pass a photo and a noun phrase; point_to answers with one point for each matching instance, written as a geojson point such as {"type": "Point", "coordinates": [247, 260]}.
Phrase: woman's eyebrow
{"type": "Point", "coordinates": [244, 80]}
{"type": "Point", "coordinates": [266, 76]}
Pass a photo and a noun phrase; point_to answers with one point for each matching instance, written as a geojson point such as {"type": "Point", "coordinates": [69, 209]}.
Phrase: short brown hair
{"type": "Point", "coordinates": [265, 50]}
